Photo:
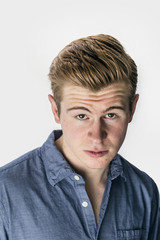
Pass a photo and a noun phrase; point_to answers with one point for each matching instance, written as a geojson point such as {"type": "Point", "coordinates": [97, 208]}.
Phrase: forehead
{"type": "Point", "coordinates": [117, 91]}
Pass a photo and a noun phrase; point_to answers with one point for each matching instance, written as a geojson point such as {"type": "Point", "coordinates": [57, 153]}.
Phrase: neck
{"type": "Point", "coordinates": [94, 176]}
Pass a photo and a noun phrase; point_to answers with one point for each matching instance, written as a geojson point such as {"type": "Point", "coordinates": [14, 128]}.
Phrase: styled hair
{"type": "Point", "coordinates": [94, 63]}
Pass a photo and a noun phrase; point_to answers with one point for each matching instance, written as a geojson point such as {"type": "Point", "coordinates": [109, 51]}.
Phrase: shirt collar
{"type": "Point", "coordinates": [57, 168]}
{"type": "Point", "coordinates": [116, 168]}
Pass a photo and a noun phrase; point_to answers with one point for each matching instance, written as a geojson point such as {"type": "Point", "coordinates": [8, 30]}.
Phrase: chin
{"type": "Point", "coordinates": [98, 164]}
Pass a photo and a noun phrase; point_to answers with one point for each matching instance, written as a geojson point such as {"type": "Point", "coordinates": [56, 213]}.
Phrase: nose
{"type": "Point", "coordinates": [97, 132]}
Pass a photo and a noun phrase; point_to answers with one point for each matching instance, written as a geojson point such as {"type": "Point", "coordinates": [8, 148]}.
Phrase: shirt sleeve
{"type": "Point", "coordinates": [159, 225]}
{"type": "Point", "coordinates": [3, 224]}
{"type": "Point", "coordinates": [154, 232]}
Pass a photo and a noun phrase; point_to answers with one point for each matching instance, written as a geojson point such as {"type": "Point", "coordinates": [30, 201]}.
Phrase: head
{"type": "Point", "coordinates": [94, 83]}
{"type": "Point", "coordinates": [94, 63]}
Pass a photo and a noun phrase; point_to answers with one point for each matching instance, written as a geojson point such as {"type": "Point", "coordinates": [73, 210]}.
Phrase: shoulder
{"type": "Point", "coordinates": [20, 165]}
{"type": "Point", "coordinates": [134, 172]}
{"type": "Point", "coordinates": [139, 180]}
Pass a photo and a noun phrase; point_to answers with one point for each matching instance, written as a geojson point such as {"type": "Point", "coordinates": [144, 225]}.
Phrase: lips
{"type": "Point", "coordinates": [96, 154]}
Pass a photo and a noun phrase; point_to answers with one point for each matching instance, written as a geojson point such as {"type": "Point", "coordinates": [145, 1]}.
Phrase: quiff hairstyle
{"type": "Point", "coordinates": [94, 63]}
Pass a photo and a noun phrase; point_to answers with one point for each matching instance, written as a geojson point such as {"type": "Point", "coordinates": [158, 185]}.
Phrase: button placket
{"type": "Point", "coordinates": [85, 205]}
{"type": "Point", "coordinates": [76, 177]}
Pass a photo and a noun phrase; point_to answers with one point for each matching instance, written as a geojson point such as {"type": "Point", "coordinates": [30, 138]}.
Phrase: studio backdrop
{"type": "Point", "coordinates": [32, 34]}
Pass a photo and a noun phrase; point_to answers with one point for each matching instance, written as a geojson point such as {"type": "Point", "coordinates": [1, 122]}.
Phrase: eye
{"type": "Point", "coordinates": [81, 117]}
{"type": "Point", "coordinates": [110, 116]}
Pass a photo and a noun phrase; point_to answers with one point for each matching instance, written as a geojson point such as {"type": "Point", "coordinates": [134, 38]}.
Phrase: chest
{"type": "Point", "coordinates": [95, 195]}
{"type": "Point", "coordinates": [60, 212]}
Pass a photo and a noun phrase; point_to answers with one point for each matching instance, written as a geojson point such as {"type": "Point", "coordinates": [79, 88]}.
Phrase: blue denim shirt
{"type": "Point", "coordinates": [42, 198]}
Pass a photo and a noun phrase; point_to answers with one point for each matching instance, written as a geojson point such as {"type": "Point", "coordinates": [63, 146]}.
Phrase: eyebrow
{"type": "Point", "coordinates": [115, 107]}
{"type": "Point", "coordinates": [86, 109]}
{"type": "Point", "coordinates": [78, 108]}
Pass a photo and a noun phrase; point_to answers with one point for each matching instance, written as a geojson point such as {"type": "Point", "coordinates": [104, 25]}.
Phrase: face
{"type": "Point", "coordinates": [94, 124]}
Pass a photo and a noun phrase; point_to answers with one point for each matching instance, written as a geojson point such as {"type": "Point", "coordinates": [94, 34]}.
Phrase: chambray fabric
{"type": "Point", "coordinates": [43, 198]}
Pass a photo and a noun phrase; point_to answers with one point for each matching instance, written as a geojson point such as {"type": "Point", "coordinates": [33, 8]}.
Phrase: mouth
{"type": "Point", "coordinates": [96, 154]}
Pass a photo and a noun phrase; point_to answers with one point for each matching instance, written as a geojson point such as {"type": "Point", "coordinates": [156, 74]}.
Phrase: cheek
{"type": "Point", "coordinates": [72, 131]}
{"type": "Point", "coordinates": [117, 133]}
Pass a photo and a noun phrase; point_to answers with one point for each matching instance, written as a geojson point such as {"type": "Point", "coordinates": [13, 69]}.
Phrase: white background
{"type": "Point", "coordinates": [32, 32]}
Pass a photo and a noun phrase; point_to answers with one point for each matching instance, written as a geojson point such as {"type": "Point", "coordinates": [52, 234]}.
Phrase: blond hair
{"type": "Point", "coordinates": [94, 63]}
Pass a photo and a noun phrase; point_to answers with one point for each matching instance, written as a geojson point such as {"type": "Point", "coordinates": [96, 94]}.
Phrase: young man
{"type": "Point", "coordinates": [76, 186]}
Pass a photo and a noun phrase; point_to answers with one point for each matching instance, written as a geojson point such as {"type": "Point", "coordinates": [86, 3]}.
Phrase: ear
{"type": "Point", "coordinates": [54, 108]}
{"type": "Point", "coordinates": [134, 106]}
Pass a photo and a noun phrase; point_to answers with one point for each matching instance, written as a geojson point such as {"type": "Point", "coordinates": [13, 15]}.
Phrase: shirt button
{"type": "Point", "coordinates": [84, 204]}
{"type": "Point", "coordinates": [76, 177]}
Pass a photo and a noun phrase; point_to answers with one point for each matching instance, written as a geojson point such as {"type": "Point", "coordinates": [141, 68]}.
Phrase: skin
{"type": "Point", "coordinates": [94, 126]}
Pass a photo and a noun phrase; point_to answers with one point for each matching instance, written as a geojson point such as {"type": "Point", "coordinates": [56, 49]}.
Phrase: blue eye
{"type": "Point", "coordinates": [81, 117]}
